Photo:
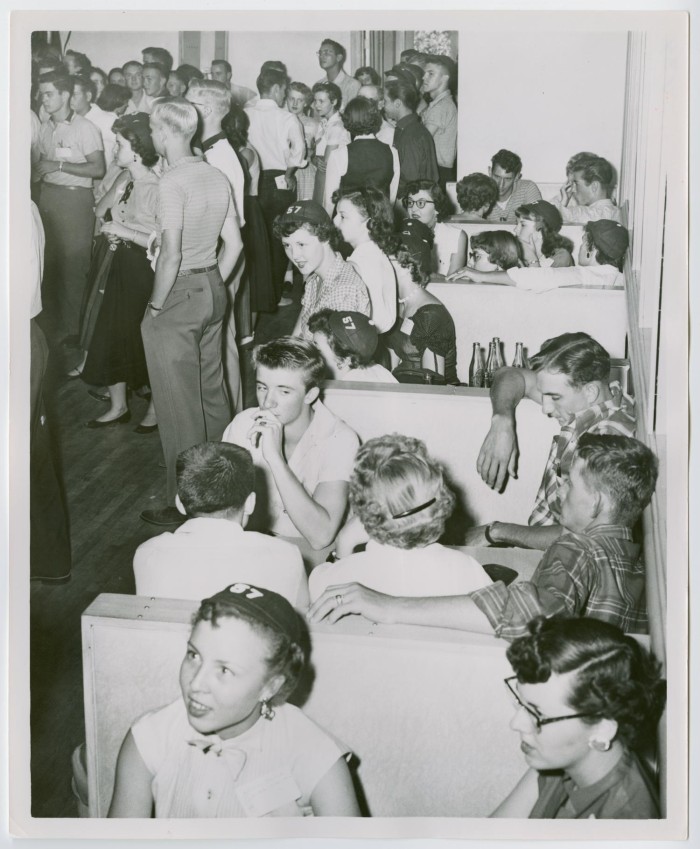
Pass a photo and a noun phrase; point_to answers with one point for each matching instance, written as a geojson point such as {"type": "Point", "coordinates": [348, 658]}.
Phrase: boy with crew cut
{"type": "Point", "coordinates": [303, 453]}
{"type": "Point", "coordinates": [593, 569]}
{"type": "Point", "coordinates": [506, 170]}
{"type": "Point", "coordinates": [215, 482]}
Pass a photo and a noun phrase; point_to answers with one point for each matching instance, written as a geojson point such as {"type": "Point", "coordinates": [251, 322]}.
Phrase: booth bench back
{"type": "Point", "coordinates": [423, 710]}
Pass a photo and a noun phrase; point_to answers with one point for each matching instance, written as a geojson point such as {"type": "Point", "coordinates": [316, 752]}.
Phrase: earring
{"type": "Point", "coordinates": [265, 710]}
{"type": "Point", "coordinates": [600, 745]}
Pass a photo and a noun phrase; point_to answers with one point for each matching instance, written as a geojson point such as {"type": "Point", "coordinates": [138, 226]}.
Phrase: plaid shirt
{"type": "Point", "coordinates": [598, 574]}
{"type": "Point", "coordinates": [341, 289]}
{"type": "Point", "coordinates": [613, 417]}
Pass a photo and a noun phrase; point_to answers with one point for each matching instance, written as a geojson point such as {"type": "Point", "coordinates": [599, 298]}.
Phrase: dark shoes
{"type": "Point", "coordinates": [164, 516]}
{"type": "Point", "coordinates": [98, 396]}
{"type": "Point", "coordinates": [125, 418]}
{"type": "Point", "coordinates": [145, 428]}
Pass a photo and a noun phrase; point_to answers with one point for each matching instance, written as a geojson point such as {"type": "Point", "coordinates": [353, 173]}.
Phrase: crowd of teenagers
{"type": "Point", "coordinates": [175, 207]}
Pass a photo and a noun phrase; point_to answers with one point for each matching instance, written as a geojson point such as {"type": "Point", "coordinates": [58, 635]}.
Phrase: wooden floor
{"type": "Point", "coordinates": [109, 475]}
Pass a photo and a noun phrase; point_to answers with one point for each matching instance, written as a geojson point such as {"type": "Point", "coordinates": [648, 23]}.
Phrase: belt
{"type": "Point", "coordinates": [70, 188]}
{"type": "Point", "coordinates": [188, 272]}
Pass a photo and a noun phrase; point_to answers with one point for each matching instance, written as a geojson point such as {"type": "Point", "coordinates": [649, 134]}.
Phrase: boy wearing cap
{"type": "Point", "coordinates": [347, 341]}
{"type": "Point", "coordinates": [600, 259]}
{"type": "Point", "coordinates": [311, 241]}
{"type": "Point", "coordinates": [587, 195]}
{"type": "Point", "coordinates": [303, 452]}
{"type": "Point", "coordinates": [215, 483]}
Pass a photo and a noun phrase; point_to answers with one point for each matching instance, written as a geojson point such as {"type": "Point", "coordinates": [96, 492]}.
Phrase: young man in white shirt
{"type": "Point", "coordinates": [304, 454]}
{"type": "Point", "coordinates": [587, 196]}
{"type": "Point", "coordinates": [331, 57]}
{"type": "Point", "coordinates": [215, 482]}
{"type": "Point", "coordinates": [82, 103]}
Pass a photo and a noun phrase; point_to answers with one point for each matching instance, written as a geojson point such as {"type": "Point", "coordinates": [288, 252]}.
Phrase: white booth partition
{"type": "Point", "coordinates": [453, 422]}
{"type": "Point", "coordinates": [481, 312]}
{"type": "Point", "coordinates": [424, 711]}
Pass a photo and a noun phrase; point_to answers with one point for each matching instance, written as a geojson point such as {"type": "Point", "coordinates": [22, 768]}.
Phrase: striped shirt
{"type": "Point", "coordinates": [195, 198]}
{"type": "Point", "coordinates": [613, 417]}
{"type": "Point", "coordinates": [598, 574]}
{"type": "Point", "coordinates": [524, 191]}
{"type": "Point", "coordinates": [341, 289]}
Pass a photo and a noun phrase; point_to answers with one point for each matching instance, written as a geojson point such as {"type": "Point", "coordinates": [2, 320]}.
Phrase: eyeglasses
{"type": "Point", "coordinates": [534, 714]}
{"type": "Point", "coordinates": [420, 203]}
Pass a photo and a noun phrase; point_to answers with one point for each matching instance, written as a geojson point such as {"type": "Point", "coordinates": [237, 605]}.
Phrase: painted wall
{"type": "Point", "coordinates": [247, 51]}
{"type": "Point", "coordinates": [544, 95]}
{"type": "Point", "coordinates": [108, 49]}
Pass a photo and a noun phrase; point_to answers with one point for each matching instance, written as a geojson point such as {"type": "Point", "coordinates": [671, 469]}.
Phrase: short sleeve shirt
{"type": "Point", "coordinates": [70, 141]}
{"type": "Point", "coordinates": [195, 197]}
{"type": "Point", "coordinates": [524, 191]}
{"type": "Point", "coordinates": [341, 289]}
{"type": "Point", "coordinates": [271, 770]}
{"type": "Point", "coordinates": [325, 453]}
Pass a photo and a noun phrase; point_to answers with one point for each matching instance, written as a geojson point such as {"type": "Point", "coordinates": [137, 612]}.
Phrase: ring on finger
{"type": "Point", "coordinates": [338, 600]}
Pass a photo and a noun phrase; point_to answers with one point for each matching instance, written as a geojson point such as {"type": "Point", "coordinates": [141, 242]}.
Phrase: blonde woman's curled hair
{"type": "Point", "coordinates": [394, 475]}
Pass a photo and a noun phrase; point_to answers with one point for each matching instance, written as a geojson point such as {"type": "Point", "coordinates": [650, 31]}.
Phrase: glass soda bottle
{"type": "Point", "coordinates": [520, 360]}
{"type": "Point", "coordinates": [490, 364]}
{"type": "Point", "coordinates": [500, 362]}
{"type": "Point", "coordinates": [476, 367]}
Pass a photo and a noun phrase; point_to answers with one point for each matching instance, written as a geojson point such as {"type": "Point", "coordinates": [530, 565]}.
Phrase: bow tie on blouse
{"type": "Point", "coordinates": [235, 758]}
{"type": "Point", "coordinates": [127, 191]}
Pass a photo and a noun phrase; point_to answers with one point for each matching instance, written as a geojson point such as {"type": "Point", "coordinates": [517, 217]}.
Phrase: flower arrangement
{"type": "Point", "coordinates": [435, 42]}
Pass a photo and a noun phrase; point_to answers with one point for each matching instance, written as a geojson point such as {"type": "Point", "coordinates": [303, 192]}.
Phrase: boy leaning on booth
{"type": "Point", "coordinates": [593, 569]}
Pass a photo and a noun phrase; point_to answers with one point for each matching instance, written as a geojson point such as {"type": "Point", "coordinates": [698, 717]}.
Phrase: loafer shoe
{"type": "Point", "coordinates": [125, 418]}
{"type": "Point", "coordinates": [145, 428]}
{"type": "Point", "coordinates": [98, 396]}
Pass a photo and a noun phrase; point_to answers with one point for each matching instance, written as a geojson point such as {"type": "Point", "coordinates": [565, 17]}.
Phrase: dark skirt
{"type": "Point", "coordinates": [257, 258]}
{"type": "Point", "coordinates": [116, 352]}
{"type": "Point", "coordinates": [100, 265]}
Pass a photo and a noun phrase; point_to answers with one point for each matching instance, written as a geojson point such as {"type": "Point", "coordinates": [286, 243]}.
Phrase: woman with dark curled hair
{"type": "Point", "coordinates": [425, 201]}
{"type": "Point", "coordinates": [400, 497]}
{"type": "Point", "coordinates": [588, 700]}
{"type": "Point", "coordinates": [365, 220]}
{"type": "Point", "coordinates": [424, 337]}
{"type": "Point", "coordinates": [476, 195]}
{"type": "Point", "coordinates": [311, 242]}
{"type": "Point", "coordinates": [232, 728]}
{"type": "Point", "coordinates": [367, 76]}
{"type": "Point", "coordinates": [365, 161]}
{"type": "Point", "coordinates": [489, 252]}
{"type": "Point", "coordinates": [541, 244]}
{"type": "Point", "coordinates": [111, 324]}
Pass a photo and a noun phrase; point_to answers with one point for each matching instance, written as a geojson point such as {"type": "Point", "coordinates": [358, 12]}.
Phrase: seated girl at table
{"type": "Point", "coordinates": [537, 229]}
{"type": "Point", "coordinates": [425, 201]}
{"type": "Point", "coordinates": [587, 700]}
{"type": "Point", "coordinates": [232, 747]}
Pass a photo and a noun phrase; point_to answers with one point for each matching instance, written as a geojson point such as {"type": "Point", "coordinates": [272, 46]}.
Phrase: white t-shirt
{"type": "Point", "coordinates": [270, 770]}
{"type": "Point", "coordinates": [446, 243]}
{"type": "Point", "coordinates": [378, 275]}
{"type": "Point", "coordinates": [207, 554]}
{"type": "Point", "coordinates": [544, 279]}
{"type": "Point", "coordinates": [433, 570]}
{"type": "Point", "coordinates": [325, 453]}
{"type": "Point", "coordinates": [222, 156]}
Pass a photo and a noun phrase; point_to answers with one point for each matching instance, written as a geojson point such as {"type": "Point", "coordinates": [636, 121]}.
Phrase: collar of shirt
{"type": "Point", "coordinates": [67, 120]}
{"type": "Point", "coordinates": [321, 425]}
{"type": "Point", "coordinates": [581, 798]}
{"type": "Point", "coordinates": [584, 420]}
{"type": "Point", "coordinates": [335, 269]}
{"type": "Point", "coordinates": [404, 122]}
{"type": "Point", "coordinates": [211, 141]}
{"type": "Point", "coordinates": [615, 531]}
{"type": "Point", "coordinates": [265, 103]}
{"type": "Point", "coordinates": [334, 119]}
{"type": "Point", "coordinates": [183, 160]}
{"type": "Point", "coordinates": [445, 94]}
{"type": "Point", "coordinates": [212, 526]}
